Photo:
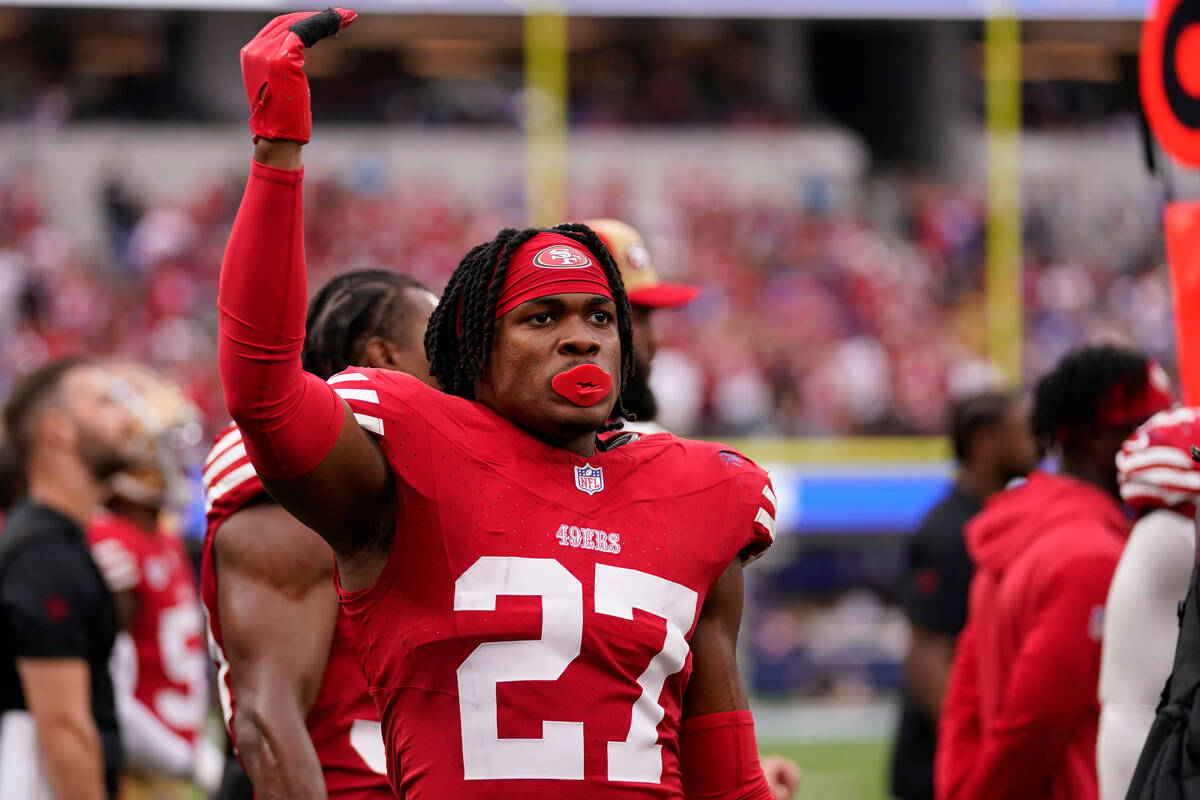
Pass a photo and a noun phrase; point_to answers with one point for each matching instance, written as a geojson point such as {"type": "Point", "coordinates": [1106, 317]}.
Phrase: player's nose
{"type": "Point", "coordinates": [578, 338]}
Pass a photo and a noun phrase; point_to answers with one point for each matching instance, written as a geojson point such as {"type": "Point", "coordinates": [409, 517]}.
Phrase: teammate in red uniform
{"type": "Point", "coordinates": [291, 687]}
{"type": "Point", "coordinates": [159, 671]}
{"type": "Point", "coordinates": [538, 614]}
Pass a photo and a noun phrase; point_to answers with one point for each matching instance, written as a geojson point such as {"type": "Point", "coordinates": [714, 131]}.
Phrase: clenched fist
{"type": "Point", "coordinates": [273, 72]}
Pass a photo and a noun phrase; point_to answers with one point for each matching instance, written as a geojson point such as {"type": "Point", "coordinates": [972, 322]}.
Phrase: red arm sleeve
{"type": "Point", "coordinates": [718, 755]}
{"type": "Point", "coordinates": [959, 739]}
{"type": "Point", "coordinates": [289, 419]}
{"type": "Point", "coordinates": [1052, 684]}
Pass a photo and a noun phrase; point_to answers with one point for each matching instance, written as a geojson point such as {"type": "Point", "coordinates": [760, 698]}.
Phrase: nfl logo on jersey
{"type": "Point", "coordinates": [589, 479]}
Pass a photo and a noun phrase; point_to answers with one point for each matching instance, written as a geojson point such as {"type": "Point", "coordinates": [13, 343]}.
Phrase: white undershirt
{"type": "Point", "coordinates": [646, 427]}
{"type": "Point", "coordinates": [1141, 625]}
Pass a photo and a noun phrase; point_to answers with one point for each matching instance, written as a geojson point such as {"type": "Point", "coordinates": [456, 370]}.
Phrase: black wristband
{"type": "Point", "coordinates": [315, 28]}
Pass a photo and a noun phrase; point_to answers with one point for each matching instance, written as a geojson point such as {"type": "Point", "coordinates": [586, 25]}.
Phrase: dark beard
{"type": "Point", "coordinates": [637, 398]}
{"type": "Point", "coordinates": [103, 462]}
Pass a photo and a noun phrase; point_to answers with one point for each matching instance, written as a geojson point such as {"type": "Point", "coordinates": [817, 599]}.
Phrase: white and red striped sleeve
{"type": "Point", "coordinates": [762, 528]}
{"type": "Point", "coordinates": [357, 389]}
{"type": "Point", "coordinates": [229, 479]}
{"type": "Point", "coordinates": [1155, 468]}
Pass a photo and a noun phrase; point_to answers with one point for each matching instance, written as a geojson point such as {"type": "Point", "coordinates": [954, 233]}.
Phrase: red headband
{"type": "Point", "coordinates": [550, 263]}
{"type": "Point", "coordinates": [1119, 407]}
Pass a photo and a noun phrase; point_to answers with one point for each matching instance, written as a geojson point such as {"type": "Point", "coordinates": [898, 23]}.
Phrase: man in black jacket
{"type": "Point", "coordinates": [58, 728]}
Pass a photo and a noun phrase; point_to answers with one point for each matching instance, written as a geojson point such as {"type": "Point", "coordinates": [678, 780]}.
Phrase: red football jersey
{"type": "Point", "coordinates": [167, 632]}
{"type": "Point", "coordinates": [528, 637]}
{"type": "Point", "coordinates": [343, 722]}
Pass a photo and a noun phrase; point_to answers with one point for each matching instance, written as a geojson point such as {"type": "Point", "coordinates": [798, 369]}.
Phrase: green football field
{"type": "Point", "coordinates": [831, 771]}
{"type": "Point", "coordinates": [839, 771]}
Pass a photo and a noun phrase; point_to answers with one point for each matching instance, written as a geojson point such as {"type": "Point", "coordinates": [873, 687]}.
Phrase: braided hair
{"type": "Point", "coordinates": [1066, 400]}
{"type": "Point", "coordinates": [347, 312]}
{"type": "Point", "coordinates": [458, 341]}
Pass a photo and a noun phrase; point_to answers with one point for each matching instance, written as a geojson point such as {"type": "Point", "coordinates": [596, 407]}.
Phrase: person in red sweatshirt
{"type": "Point", "coordinates": [1021, 711]}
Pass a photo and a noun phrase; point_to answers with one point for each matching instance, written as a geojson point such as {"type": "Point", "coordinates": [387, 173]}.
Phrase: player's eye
{"type": "Point", "coordinates": [601, 317]}
{"type": "Point", "coordinates": [540, 318]}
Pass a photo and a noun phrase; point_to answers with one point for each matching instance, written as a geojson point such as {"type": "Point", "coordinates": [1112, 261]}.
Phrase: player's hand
{"type": "Point", "coordinates": [273, 72]}
{"type": "Point", "coordinates": [783, 776]}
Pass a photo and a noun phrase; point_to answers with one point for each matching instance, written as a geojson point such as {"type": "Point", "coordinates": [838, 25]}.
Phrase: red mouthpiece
{"type": "Point", "coordinates": [584, 385]}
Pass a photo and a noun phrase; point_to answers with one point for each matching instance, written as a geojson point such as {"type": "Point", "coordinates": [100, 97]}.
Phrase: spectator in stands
{"type": "Point", "coordinates": [58, 621]}
{"type": "Point", "coordinates": [1021, 710]}
{"type": "Point", "coordinates": [993, 446]}
{"type": "Point", "coordinates": [812, 320]}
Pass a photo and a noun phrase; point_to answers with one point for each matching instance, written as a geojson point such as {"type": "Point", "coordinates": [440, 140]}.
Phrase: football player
{"type": "Point", "coordinates": [291, 688]}
{"type": "Point", "coordinates": [159, 667]}
{"type": "Point", "coordinates": [538, 614]}
{"type": "Point", "coordinates": [1160, 482]}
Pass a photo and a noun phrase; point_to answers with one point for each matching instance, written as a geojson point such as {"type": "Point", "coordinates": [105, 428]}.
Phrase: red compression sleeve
{"type": "Point", "coordinates": [718, 756]}
{"type": "Point", "coordinates": [289, 419]}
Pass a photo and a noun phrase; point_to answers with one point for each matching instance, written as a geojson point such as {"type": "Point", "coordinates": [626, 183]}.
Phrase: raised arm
{"type": "Point", "coordinates": [301, 437]}
{"type": "Point", "coordinates": [278, 609]}
{"type": "Point", "coordinates": [718, 753]}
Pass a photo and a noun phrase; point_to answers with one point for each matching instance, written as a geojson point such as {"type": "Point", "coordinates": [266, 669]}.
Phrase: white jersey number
{"type": "Point", "coordinates": [179, 628]}
{"type": "Point", "coordinates": [558, 753]}
{"type": "Point", "coordinates": [366, 738]}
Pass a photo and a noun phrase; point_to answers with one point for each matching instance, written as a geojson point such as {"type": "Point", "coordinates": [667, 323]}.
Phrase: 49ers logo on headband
{"type": "Point", "coordinates": [547, 264]}
{"type": "Point", "coordinates": [561, 257]}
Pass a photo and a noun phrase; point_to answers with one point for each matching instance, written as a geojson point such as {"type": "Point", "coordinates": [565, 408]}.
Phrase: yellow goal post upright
{"type": "Point", "coordinates": [1002, 82]}
{"type": "Point", "coordinates": [545, 116]}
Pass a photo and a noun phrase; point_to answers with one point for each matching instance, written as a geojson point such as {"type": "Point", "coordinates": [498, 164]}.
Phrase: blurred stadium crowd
{"type": "Point", "coordinates": [819, 316]}
{"type": "Point", "coordinates": [835, 310]}
{"type": "Point", "coordinates": [812, 320]}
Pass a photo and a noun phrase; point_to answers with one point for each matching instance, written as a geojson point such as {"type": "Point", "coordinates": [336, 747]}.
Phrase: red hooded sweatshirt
{"type": "Point", "coordinates": [1021, 710]}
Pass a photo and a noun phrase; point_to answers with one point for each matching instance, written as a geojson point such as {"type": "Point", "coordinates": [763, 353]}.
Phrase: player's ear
{"type": "Point", "coordinates": [383, 353]}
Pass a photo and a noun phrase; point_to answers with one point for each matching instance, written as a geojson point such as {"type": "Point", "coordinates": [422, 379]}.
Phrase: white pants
{"type": "Point", "coordinates": [21, 771]}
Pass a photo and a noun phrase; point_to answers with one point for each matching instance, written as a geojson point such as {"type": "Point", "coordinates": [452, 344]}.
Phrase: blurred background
{"type": "Point", "coordinates": [887, 206]}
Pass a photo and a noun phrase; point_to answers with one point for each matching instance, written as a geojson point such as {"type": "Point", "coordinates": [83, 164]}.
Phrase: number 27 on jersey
{"type": "Point", "coordinates": [558, 754]}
